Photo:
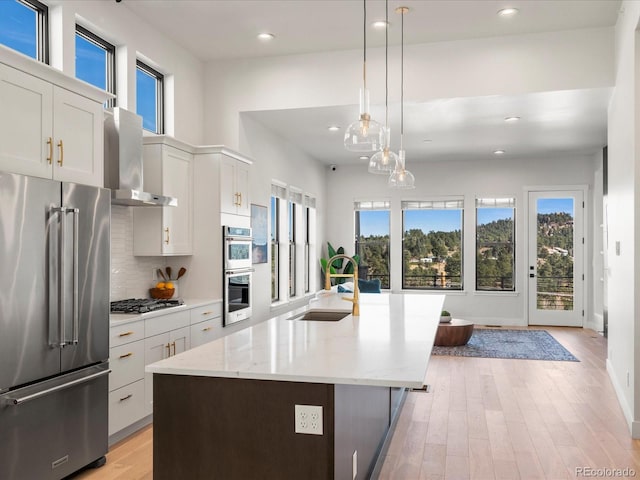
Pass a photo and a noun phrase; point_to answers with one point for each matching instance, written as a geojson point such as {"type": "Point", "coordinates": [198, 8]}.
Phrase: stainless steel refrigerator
{"type": "Point", "coordinates": [54, 326]}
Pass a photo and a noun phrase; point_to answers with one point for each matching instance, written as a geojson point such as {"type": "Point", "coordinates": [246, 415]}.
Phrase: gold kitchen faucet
{"type": "Point", "coordinates": [355, 311]}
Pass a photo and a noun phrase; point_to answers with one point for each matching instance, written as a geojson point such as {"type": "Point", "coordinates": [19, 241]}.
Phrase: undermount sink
{"type": "Point", "coordinates": [321, 315]}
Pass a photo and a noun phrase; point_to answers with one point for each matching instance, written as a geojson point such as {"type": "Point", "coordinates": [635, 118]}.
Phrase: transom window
{"type": "Point", "coordinates": [95, 61]}
{"type": "Point", "coordinates": [24, 27]}
{"type": "Point", "coordinates": [150, 97]}
{"type": "Point", "coordinates": [432, 244]}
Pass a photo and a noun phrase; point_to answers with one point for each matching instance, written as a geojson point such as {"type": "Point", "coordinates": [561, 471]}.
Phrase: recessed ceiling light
{"type": "Point", "coordinates": [508, 12]}
{"type": "Point", "coordinates": [511, 119]}
{"type": "Point", "coordinates": [379, 24]}
{"type": "Point", "coordinates": [427, 140]}
{"type": "Point", "coordinates": [333, 128]}
{"type": "Point", "coordinates": [363, 157]}
{"type": "Point", "coordinates": [499, 152]}
{"type": "Point", "coordinates": [266, 36]}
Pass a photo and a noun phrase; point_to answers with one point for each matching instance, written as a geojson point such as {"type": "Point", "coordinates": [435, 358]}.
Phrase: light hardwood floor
{"type": "Point", "coordinates": [485, 419]}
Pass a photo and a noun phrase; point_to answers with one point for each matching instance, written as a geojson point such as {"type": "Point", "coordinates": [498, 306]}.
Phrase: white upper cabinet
{"type": "Point", "coordinates": [234, 187]}
{"type": "Point", "coordinates": [48, 130]}
{"type": "Point", "coordinates": [159, 231]}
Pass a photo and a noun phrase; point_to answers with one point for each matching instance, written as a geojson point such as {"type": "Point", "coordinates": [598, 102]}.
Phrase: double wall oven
{"type": "Point", "coordinates": [237, 274]}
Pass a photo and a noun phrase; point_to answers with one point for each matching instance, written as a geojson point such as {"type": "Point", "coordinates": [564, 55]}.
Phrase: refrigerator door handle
{"type": "Point", "coordinates": [76, 333]}
{"type": "Point", "coordinates": [61, 276]}
{"type": "Point", "coordinates": [20, 400]}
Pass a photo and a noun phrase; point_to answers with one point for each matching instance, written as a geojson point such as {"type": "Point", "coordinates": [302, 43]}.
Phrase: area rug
{"type": "Point", "coordinates": [501, 343]}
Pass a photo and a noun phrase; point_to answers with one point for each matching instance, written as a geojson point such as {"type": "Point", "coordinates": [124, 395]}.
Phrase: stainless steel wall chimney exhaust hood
{"type": "Point", "coordinates": [123, 162]}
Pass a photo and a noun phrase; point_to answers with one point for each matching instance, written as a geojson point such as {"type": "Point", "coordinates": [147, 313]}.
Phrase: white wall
{"type": "Point", "coordinates": [276, 159]}
{"type": "Point", "coordinates": [501, 66]}
{"type": "Point", "coordinates": [624, 218]}
{"type": "Point", "coordinates": [494, 177]}
{"type": "Point", "coordinates": [132, 36]}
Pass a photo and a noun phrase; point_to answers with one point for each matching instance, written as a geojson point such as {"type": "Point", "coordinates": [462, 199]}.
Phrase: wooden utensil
{"type": "Point", "coordinates": [181, 272]}
{"type": "Point", "coordinates": [162, 275]}
{"type": "Point", "coordinates": [168, 269]}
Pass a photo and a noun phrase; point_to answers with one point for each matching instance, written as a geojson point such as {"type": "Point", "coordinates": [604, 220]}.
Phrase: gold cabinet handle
{"type": "Point", "coordinates": [166, 231]}
{"type": "Point", "coordinates": [125, 334]}
{"type": "Point", "coordinates": [174, 347]}
{"type": "Point", "coordinates": [126, 398]}
{"type": "Point", "coordinates": [50, 157]}
{"type": "Point", "coordinates": [126, 355]}
{"type": "Point", "coordinates": [206, 329]}
{"type": "Point", "coordinates": [239, 199]}
{"type": "Point", "coordinates": [207, 313]}
{"type": "Point", "coordinates": [61, 146]}
{"type": "Point", "coordinates": [168, 349]}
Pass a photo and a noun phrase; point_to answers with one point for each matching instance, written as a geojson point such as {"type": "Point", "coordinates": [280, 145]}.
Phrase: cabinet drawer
{"type": "Point", "coordinates": [121, 334]}
{"type": "Point", "coordinates": [126, 406]}
{"type": "Point", "coordinates": [204, 332]}
{"type": "Point", "coordinates": [127, 364]}
{"type": "Point", "coordinates": [206, 312]}
{"type": "Point", "coordinates": [164, 323]}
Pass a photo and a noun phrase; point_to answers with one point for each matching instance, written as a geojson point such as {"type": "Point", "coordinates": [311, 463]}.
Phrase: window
{"type": "Point", "coordinates": [278, 195]}
{"type": "Point", "coordinates": [292, 248]}
{"type": "Point", "coordinates": [95, 61]}
{"type": "Point", "coordinates": [275, 280]}
{"type": "Point", "coordinates": [150, 97]}
{"type": "Point", "coordinates": [495, 244]}
{"type": "Point", "coordinates": [372, 240]}
{"type": "Point", "coordinates": [309, 219]}
{"type": "Point", "coordinates": [24, 27]}
{"type": "Point", "coordinates": [432, 244]}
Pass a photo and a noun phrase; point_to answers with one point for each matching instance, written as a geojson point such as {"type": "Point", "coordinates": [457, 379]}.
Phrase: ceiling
{"type": "Point", "coordinates": [461, 128]}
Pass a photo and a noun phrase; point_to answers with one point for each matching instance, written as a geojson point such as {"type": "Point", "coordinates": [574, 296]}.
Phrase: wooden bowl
{"type": "Point", "coordinates": [163, 294]}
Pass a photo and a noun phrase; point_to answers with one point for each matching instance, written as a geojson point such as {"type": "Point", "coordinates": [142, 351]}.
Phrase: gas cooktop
{"type": "Point", "coordinates": [143, 305]}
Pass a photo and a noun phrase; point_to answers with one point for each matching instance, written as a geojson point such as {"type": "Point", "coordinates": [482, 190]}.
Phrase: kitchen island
{"type": "Point", "coordinates": [227, 409]}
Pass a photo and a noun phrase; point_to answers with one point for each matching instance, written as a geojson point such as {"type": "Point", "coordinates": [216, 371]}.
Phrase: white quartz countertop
{"type": "Point", "coordinates": [189, 303]}
{"type": "Point", "coordinates": [389, 344]}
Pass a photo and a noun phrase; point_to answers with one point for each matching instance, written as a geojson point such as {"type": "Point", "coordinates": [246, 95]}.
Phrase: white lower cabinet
{"type": "Point", "coordinates": [137, 344]}
{"type": "Point", "coordinates": [126, 381]}
{"type": "Point", "coordinates": [126, 406]}
{"type": "Point", "coordinates": [206, 324]}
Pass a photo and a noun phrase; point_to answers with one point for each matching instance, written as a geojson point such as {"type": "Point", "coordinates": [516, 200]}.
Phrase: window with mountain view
{"type": "Point", "coordinates": [432, 244]}
{"type": "Point", "coordinates": [495, 244]}
{"type": "Point", "coordinates": [372, 240]}
{"type": "Point", "coordinates": [23, 27]}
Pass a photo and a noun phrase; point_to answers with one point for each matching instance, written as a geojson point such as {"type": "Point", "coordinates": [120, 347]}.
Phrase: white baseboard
{"type": "Point", "coordinates": [633, 425]}
{"type": "Point", "coordinates": [596, 323]}
{"type": "Point", "coordinates": [490, 321]}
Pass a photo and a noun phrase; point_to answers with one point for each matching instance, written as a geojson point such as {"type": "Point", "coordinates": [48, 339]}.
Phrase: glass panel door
{"type": "Point", "coordinates": [556, 267]}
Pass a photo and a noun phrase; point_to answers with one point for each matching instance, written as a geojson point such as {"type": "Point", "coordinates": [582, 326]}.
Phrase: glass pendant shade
{"type": "Point", "coordinates": [364, 135]}
{"type": "Point", "coordinates": [401, 178]}
{"type": "Point", "coordinates": [384, 161]}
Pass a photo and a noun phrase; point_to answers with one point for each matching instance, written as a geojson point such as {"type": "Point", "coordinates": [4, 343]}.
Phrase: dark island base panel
{"type": "Point", "coordinates": [221, 428]}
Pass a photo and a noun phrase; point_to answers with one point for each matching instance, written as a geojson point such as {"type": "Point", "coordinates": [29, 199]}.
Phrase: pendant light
{"type": "Point", "coordinates": [364, 135]}
{"type": "Point", "coordinates": [384, 161]}
{"type": "Point", "coordinates": [401, 177]}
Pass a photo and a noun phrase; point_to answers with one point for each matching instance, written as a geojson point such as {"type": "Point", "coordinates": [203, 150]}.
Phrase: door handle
{"type": "Point", "coordinates": [168, 349]}
{"type": "Point", "coordinates": [34, 396]}
{"type": "Point", "coordinates": [76, 316]}
{"type": "Point", "coordinates": [61, 159]}
{"type": "Point", "coordinates": [166, 240]}
{"type": "Point", "coordinates": [173, 344]}
{"type": "Point", "coordinates": [50, 157]}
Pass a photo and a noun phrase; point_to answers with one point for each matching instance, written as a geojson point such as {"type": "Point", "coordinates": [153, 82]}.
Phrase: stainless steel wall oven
{"type": "Point", "coordinates": [237, 274]}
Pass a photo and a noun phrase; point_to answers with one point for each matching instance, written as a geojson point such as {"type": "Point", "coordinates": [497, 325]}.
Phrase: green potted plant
{"type": "Point", "coordinates": [445, 316]}
{"type": "Point", "coordinates": [338, 265]}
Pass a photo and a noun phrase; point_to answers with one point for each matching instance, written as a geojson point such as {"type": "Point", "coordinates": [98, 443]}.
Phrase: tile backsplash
{"type": "Point", "coordinates": [131, 277]}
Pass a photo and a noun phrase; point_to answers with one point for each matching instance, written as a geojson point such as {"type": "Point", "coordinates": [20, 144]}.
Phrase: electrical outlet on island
{"type": "Point", "coordinates": [308, 419]}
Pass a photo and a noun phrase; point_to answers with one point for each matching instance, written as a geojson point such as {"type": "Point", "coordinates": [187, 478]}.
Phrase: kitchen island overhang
{"type": "Point", "coordinates": [226, 409]}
